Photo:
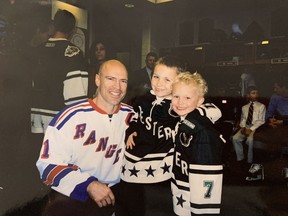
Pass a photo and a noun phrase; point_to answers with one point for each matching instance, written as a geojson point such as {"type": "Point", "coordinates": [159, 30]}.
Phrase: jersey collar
{"type": "Point", "coordinates": [98, 109]}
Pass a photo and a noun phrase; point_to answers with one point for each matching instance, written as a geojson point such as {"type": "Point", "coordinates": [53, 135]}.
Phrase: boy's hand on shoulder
{"type": "Point", "coordinates": [130, 141]}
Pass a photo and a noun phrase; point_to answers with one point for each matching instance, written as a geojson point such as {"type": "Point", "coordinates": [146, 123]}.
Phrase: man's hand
{"type": "Point", "coordinates": [275, 123]}
{"type": "Point", "coordinates": [130, 141]}
{"type": "Point", "coordinates": [101, 194]}
{"type": "Point", "coordinates": [248, 132]}
{"type": "Point", "coordinates": [242, 130]}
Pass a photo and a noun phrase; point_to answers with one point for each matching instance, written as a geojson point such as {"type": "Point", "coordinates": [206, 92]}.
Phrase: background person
{"type": "Point", "coordinates": [99, 53]}
{"type": "Point", "coordinates": [273, 133]}
{"type": "Point", "coordinates": [140, 80]}
{"type": "Point", "coordinates": [248, 125]}
{"type": "Point", "coordinates": [61, 77]}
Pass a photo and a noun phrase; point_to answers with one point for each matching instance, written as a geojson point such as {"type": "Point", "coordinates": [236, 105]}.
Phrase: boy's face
{"type": "Point", "coordinates": [185, 98]}
{"type": "Point", "coordinates": [253, 95]}
{"type": "Point", "coordinates": [162, 80]}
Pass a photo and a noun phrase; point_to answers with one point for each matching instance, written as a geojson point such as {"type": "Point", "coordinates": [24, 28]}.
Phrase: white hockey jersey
{"type": "Point", "coordinates": [83, 144]}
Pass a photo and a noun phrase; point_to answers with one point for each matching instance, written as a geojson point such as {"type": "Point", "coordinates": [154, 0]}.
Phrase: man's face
{"type": "Point", "coordinates": [278, 89]}
{"type": "Point", "coordinates": [150, 62]}
{"type": "Point", "coordinates": [112, 85]}
{"type": "Point", "coordinates": [100, 52]}
{"type": "Point", "coordinates": [253, 95]}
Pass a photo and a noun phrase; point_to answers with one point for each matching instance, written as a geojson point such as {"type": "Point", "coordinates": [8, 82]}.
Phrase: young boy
{"type": "Point", "coordinates": [150, 137]}
{"type": "Point", "coordinates": [248, 125]}
{"type": "Point", "coordinates": [197, 165]}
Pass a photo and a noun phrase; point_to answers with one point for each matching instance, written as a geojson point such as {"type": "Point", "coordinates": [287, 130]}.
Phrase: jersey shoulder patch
{"type": "Point", "coordinates": [71, 51]}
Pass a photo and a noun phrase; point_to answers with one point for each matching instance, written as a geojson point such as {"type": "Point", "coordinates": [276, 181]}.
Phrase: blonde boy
{"type": "Point", "coordinates": [197, 166]}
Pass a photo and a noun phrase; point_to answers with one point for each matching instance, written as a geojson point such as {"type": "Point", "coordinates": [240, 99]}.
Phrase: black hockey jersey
{"type": "Point", "coordinates": [197, 167]}
{"type": "Point", "coordinates": [150, 160]}
{"type": "Point", "coordinates": [60, 77]}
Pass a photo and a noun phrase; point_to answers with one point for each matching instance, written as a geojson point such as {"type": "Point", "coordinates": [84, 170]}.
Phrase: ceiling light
{"type": "Point", "coordinates": [265, 42]}
{"type": "Point", "coordinates": [159, 1]}
{"type": "Point", "coordinates": [198, 48]}
{"type": "Point", "coordinates": [129, 5]}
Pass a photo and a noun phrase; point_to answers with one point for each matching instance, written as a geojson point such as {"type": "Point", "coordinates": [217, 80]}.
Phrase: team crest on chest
{"type": "Point", "coordinates": [184, 139]}
{"type": "Point", "coordinates": [71, 51]}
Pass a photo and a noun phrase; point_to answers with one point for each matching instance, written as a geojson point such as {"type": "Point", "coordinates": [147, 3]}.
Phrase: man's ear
{"type": "Point", "coordinates": [97, 80]}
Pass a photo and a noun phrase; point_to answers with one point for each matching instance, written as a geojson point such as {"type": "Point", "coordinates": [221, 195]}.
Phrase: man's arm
{"type": "Point", "coordinates": [56, 167]}
{"type": "Point", "coordinates": [271, 110]}
{"type": "Point", "coordinates": [260, 118]}
{"type": "Point", "coordinates": [243, 117]}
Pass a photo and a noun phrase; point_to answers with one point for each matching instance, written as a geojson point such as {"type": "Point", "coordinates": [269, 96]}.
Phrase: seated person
{"type": "Point", "coordinates": [276, 118]}
{"type": "Point", "coordinates": [252, 117]}
{"type": "Point", "coordinates": [273, 133]}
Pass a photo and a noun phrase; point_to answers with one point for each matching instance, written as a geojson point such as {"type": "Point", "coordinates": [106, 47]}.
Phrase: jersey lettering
{"type": "Point", "coordinates": [45, 153]}
{"type": "Point", "coordinates": [79, 133]}
{"type": "Point", "coordinates": [168, 132]}
{"type": "Point", "coordinates": [102, 144]}
{"type": "Point", "coordinates": [110, 151]}
{"type": "Point", "coordinates": [141, 115]}
{"type": "Point", "coordinates": [181, 163]}
{"type": "Point", "coordinates": [209, 185]}
{"type": "Point", "coordinates": [91, 138]}
{"type": "Point", "coordinates": [148, 123]}
{"type": "Point", "coordinates": [117, 156]}
{"type": "Point", "coordinates": [160, 132]}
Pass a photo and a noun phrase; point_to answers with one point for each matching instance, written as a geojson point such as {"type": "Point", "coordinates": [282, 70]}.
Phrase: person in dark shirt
{"type": "Point", "coordinates": [140, 80]}
{"type": "Point", "coordinates": [61, 77]}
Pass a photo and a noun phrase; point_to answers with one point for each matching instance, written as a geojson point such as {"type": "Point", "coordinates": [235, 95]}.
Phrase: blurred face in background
{"type": "Point", "coordinates": [280, 90]}
{"type": "Point", "coordinates": [150, 62]}
{"type": "Point", "coordinates": [253, 95]}
{"type": "Point", "coordinates": [100, 52]}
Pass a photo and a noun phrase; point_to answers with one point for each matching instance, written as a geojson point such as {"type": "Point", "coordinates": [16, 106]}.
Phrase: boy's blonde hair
{"type": "Point", "coordinates": [193, 78]}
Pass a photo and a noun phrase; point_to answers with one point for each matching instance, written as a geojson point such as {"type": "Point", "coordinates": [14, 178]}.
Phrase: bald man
{"type": "Point", "coordinates": [83, 148]}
